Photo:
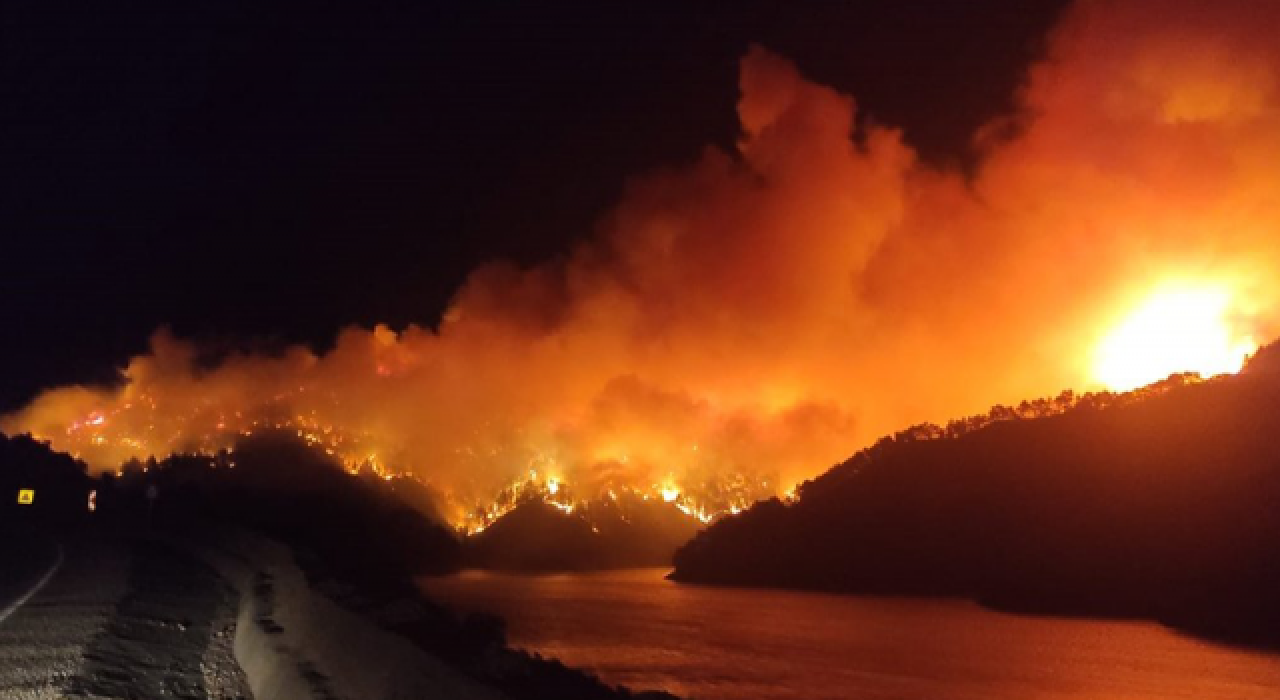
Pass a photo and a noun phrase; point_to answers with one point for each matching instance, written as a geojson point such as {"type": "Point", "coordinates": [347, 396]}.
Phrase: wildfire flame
{"type": "Point", "coordinates": [555, 492]}
{"type": "Point", "coordinates": [1175, 330]}
{"type": "Point", "coordinates": [742, 323]}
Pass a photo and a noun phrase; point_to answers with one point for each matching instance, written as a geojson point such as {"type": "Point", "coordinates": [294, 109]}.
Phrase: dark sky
{"type": "Point", "coordinates": [248, 170]}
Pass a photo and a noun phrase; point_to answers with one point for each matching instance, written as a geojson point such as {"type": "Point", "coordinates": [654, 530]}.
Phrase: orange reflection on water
{"type": "Point", "coordinates": [709, 643]}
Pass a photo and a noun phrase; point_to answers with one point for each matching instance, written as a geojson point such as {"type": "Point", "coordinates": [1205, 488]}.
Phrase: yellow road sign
{"type": "Point", "coordinates": [26, 496]}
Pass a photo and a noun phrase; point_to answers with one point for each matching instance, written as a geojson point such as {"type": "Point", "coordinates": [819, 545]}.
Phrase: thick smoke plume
{"type": "Point", "coordinates": [743, 322]}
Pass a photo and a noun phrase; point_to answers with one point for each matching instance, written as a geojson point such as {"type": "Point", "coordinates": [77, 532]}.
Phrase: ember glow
{"type": "Point", "coordinates": [1179, 330]}
{"type": "Point", "coordinates": [740, 323]}
{"type": "Point", "coordinates": [703, 505]}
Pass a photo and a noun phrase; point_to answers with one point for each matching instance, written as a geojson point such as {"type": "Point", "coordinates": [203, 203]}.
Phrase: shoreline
{"type": "Point", "coordinates": [400, 630]}
{"type": "Point", "coordinates": [1244, 637]}
{"type": "Point", "coordinates": [635, 628]}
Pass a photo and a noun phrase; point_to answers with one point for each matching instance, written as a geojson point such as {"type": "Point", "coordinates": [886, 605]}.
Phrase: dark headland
{"type": "Point", "coordinates": [1159, 504]}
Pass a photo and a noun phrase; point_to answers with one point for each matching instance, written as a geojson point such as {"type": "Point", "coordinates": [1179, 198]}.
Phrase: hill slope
{"type": "Point", "coordinates": [1159, 504]}
{"type": "Point", "coordinates": [600, 534]}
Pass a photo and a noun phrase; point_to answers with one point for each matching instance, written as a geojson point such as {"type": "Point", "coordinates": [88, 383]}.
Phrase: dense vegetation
{"type": "Point", "coordinates": [604, 533]}
{"type": "Point", "coordinates": [282, 487]}
{"type": "Point", "coordinates": [1158, 504]}
{"type": "Point", "coordinates": [59, 482]}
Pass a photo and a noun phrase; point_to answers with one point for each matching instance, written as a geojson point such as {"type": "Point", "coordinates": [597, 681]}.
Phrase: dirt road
{"type": "Point", "coordinates": [120, 618]}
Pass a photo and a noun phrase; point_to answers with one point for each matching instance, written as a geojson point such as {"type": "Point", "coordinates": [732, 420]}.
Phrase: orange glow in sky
{"type": "Point", "coordinates": [786, 300]}
{"type": "Point", "coordinates": [1188, 329]}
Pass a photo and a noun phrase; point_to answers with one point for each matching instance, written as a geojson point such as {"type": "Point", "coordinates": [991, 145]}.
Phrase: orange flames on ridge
{"type": "Point", "coordinates": [743, 322]}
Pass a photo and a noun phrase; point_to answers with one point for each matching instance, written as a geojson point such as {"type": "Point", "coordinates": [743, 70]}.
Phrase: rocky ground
{"type": "Point", "coordinates": [123, 619]}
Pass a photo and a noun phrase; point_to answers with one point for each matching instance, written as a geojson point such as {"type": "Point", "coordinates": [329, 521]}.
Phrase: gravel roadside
{"type": "Point", "coordinates": [123, 619]}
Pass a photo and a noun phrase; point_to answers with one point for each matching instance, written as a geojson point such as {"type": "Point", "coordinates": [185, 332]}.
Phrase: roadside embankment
{"type": "Point", "coordinates": [294, 643]}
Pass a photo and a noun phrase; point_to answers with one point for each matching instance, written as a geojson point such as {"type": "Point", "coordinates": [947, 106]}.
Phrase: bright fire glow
{"type": "Point", "coordinates": [739, 323]}
{"type": "Point", "coordinates": [1179, 330]}
{"type": "Point", "coordinates": [562, 495]}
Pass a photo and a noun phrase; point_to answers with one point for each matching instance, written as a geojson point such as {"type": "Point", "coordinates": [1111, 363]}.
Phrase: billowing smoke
{"type": "Point", "coordinates": [743, 322]}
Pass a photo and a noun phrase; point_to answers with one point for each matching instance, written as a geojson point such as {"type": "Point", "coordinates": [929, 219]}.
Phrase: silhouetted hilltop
{"type": "Point", "coordinates": [600, 534]}
{"type": "Point", "coordinates": [279, 485]}
{"type": "Point", "coordinates": [1159, 503]}
{"type": "Point", "coordinates": [58, 482]}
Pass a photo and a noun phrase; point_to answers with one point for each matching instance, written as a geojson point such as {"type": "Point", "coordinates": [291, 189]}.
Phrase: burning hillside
{"type": "Point", "coordinates": [1156, 503]}
{"type": "Point", "coordinates": [739, 323]}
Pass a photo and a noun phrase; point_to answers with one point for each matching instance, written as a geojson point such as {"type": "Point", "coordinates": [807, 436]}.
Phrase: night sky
{"type": "Point", "coordinates": [266, 175]}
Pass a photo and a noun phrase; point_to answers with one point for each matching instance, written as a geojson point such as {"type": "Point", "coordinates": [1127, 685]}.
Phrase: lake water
{"type": "Point", "coordinates": [637, 629]}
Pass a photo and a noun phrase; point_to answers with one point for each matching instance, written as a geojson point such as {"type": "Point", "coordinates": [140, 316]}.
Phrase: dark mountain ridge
{"type": "Point", "coordinates": [603, 533]}
{"type": "Point", "coordinates": [1161, 503]}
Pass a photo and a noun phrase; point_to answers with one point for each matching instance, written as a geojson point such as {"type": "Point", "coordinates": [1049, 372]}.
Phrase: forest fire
{"type": "Point", "coordinates": [561, 496]}
{"type": "Point", "coordinates": [110, 441]}
{"type": "Point", "coordinates": [1179, 330]}
{"type": "Point", "coordinates": [741, 323]}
